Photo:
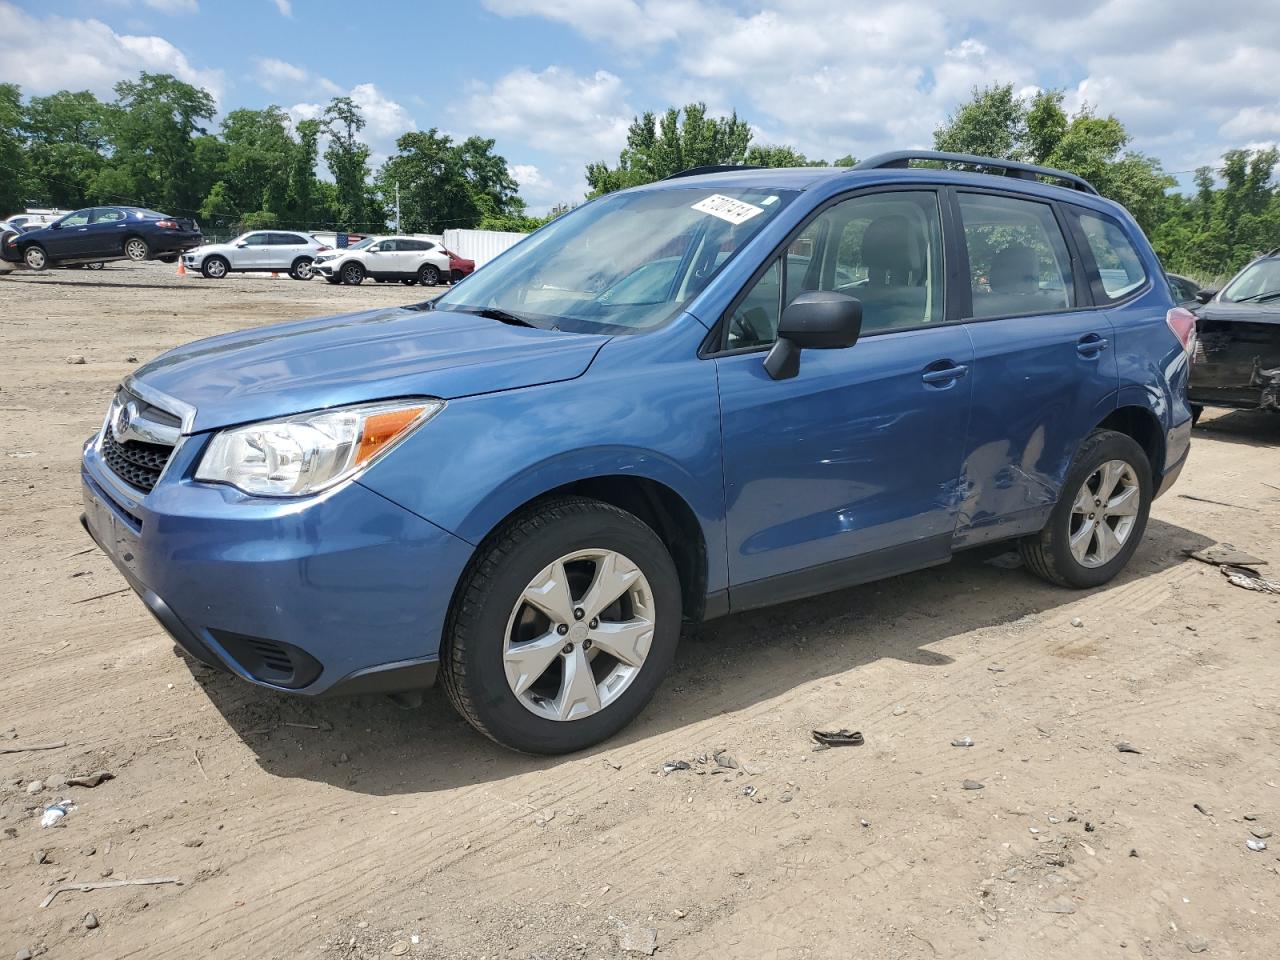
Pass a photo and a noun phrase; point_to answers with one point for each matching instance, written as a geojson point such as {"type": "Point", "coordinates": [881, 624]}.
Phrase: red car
{"type": "Point", "coordinates": [459, 267]}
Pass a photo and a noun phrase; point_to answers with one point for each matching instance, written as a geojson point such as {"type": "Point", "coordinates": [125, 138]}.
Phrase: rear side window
{"type": "Point", "coordinates": [286, 240]}
{"type": "Point", "coordinates": [1120, 270]}
{"type": "Point", "coordinates": [1018, 259]}
{"type": "Point", "coordinates": [415, 245]}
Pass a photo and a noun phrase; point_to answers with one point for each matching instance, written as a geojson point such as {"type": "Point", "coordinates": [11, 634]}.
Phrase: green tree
{"type": "Point", "coordinates": [991, 124]}
{"type": "Point", "coordinates": [348, 160]}
{"type": "Point", "coordinates": [257, 163]}
{"type": "Point", "coordinates": [303, 200]}
{"type": "Point", "coordinates": [678, 141]}
{"type": "Point", "coordinates": [67, 139]}
{"type": "Point", "coordinates": [12, 158]}
{"type": "Point", "coordinates": [151, 130]}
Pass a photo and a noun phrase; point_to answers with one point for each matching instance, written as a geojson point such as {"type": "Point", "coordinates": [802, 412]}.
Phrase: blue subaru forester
{"type": "Point", "coordinates": [725, 390]}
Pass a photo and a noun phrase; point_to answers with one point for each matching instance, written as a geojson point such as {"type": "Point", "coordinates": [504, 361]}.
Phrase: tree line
{"type": "Point", "coordinates": [153, 146]}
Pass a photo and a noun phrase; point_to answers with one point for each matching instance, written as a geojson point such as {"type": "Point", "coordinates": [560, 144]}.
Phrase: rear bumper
{"type": "Point", "coordinates": [174, 242]}
{"type": "Point", "coordinates": [347, 593]}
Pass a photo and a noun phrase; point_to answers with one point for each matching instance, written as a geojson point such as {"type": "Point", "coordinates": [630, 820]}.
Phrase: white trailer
{"type": "Point", "coordinates": [480, 245]}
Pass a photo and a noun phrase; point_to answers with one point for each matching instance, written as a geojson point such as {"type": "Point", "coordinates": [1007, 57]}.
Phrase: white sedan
{"type": "Point", "coordinates": [407, 259]}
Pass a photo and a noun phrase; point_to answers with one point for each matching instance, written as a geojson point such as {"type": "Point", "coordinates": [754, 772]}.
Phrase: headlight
{"type": "Point", "coordinates": [301, 455]}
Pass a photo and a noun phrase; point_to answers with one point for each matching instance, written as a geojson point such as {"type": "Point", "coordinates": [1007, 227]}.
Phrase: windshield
{"type": "Point", "coordinates": [1258, 281]}
{"type": "Point", "coordinates": [625, 262]}
{"type": "Point", "coordinates": [361, 245]}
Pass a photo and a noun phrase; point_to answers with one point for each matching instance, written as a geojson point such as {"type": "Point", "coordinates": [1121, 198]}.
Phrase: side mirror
{"type": "Point", "coordinates": [56, 225]}
{"type": "Point", "coordinates": [1204, 296]}
{"type": "Point", "coordinates": [818, 320]}
{"type": "Point", "coordinates": [241, 244]}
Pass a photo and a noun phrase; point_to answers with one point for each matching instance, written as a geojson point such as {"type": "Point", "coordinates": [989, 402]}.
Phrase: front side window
{"type": "Point", "coordinates": [1120, 268]}
{"type": "Point", "coordinates": [255, 239]}
{"type": "Point", "coordinates": [623, 263]}
{"type": "Point", "coordinates": [883, 248]}
{"type": "Point", "coordinates": [1018, 259]}
{"type": "Point", "coordinates": [107, 215]}
{"type": "Point", "coordinates": [1257, 283]}
{"type": "Point", "coordinates": [77, 219]}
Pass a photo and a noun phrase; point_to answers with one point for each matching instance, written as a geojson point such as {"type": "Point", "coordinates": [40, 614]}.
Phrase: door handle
{"type": "Point", "coordinates": [935, 374]}
{"type": "Point", "coordinates": [82, 230]}
{"type": "Point", "coordinates": [1090, 345]}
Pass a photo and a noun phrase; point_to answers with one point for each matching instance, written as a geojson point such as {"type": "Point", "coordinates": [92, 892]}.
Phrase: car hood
{"type": "Point", "coordinates": [1240, 312]}
{"type": "Point", "coordinates": [289, 368]}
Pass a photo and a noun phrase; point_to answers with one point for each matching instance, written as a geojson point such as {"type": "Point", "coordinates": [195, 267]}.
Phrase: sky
{"type": "Point", "coordinates": [556, 82]}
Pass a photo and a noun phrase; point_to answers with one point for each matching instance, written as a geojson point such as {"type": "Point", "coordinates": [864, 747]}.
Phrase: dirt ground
{"type": "Point", "coordinates": [356, 829]}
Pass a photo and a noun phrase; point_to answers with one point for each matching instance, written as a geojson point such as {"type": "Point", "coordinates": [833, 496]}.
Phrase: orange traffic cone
{"type": "Point", "coordinates": [182, 271]}
{"type": "Point", "coordinates": [275, 275]}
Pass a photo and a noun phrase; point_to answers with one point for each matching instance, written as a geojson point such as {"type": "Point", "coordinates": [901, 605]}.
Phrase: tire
{"type": "Point", "coordinates": [353, 273]}
{"type": "Point", "coordinates": [409, 283]}
{"type": "Point", "coordinates": [428, 275]}
{"type": "Point", "coordinates": [215, 268]}
{"type": "Point", "coordinates": [301, 269]}
{"type": "Point", "coordinates": [1050, 555]}
{"type": "Point", "coordinates": [333, 281]}
{"type": "Point", "coordinates": [489, 610]}
{"type": "Point", "coordinates": [168, 258]}
{"type": "Point", "coordinates": [1196, 410]}
{"type": "Point", "coordinates": [35, 258]}
{"type": "Point", "coordinates": [137, 249]}
{"type": "Point", "coordinates": [96, 265]}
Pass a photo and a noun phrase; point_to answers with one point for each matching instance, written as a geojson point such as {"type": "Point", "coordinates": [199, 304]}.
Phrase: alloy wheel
{"type": "Point", "coordinates": [136, 250]}
{"type": "Point", "coordinates": [1104, 513]}
{"type": "Point", "coordinates": [579, 634]}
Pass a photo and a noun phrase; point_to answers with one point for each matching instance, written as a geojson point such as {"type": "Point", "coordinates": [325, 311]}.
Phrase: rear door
{"type": "Point", "coordinates": [848, 470]}
{"type": "Point", "coordinates": [1044, 361]}
{"type": "Point", "coordinates": [286, 248]}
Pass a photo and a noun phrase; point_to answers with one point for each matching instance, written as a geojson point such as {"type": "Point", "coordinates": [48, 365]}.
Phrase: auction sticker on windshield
{"type": "Point", "coordinates": [727, 208]}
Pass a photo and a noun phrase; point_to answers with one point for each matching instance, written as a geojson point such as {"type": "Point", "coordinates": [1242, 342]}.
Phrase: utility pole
{"type": "Point", "coordinates": [397, 206]}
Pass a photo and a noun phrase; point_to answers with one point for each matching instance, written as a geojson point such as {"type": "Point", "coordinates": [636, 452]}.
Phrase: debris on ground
{"type": "Point", "coordinates": [671, 766]}
{"type": "Point", "coordinates": [637, 939]}
{"type": "Point", "coordinates": [749, 791]}
{"type": "Point", "coordinates": [1201, 809]}
{"type": "Point", "coordinates": [838, 738]}
{"type": "Point", "coordinates": [29, 747]}
{"type": "Point", "coordinates": [90, 780]}
{"type": "Point", "coordinates": [1249, 579]}
{"type": "Point", "coordinates": [35, 786]}
{"type": "Point", "coordinates": [962, 742]}
{"type": "Point", "coordinates": [1077, 622]}
{"type": "Point", "coordinates": [1216, 503]}
{"type": "Point", "coordinates": [1124, 746]}
{"type": "Point", "coordinates": [971, 785]}
{"type": "Point", "coordinates": [1059, 906]}
{"type": "Point", "coordinates": [1197, 946]}
{"type": "Point", "coordinates": [55, 812]}
{"type": "Point", "coordinates": [75, 358]}
{"type": "Point", "coordinates": [1261, 833]}
{"type": "Point", "coordinates": [1257, 846]}
{"type": "Point", "coordinates": [1224, 553]}
{"type": "Point", "coordinates": [899, 710]}
{"type": "Point", "coordinates": [90, 922]}
{"type": "Point", "coordinates": [996, 669]}
{"type": "Point", "coordinates": [612, 764]}
{"type": "Point", "coordinates": [865, 822]}
{"type": "Point", "coordinates": [723, 759]}
{"type": "Point", "coordinates": [105, 884]}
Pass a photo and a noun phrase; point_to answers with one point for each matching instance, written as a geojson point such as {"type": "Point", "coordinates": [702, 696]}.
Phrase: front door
{"type": "Point", "coordinates": [849, 470]}
{"type": "Point", "coordinates": [105, 236]}
{"type": "Point", "coordinates": [251, 251]}
{"type": "Point", "coordinates": [70, 240]}
{"type": "Point", "coordinates": [1044, 365]}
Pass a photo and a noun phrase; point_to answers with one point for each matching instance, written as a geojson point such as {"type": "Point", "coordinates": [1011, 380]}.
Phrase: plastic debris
{"type": "Point", "coordinates": [838, 738]}
{"type": "Point", "coordinates": [671, 766]}
{"type": "Point", "coordinates": [55, 812]}
{"type": "Point", "coordinates": [962, 742]}
{"type": "Point", "coordinates": [1257, 846]}
{"type": "Point", "coordinates": [1077, 622]}
{"type": "Point", "coordinates": [1250, 580]}
{"type": "Point", "coordinates": [723, 759]}
{"type": "Point", "coordinates": [749, 791]}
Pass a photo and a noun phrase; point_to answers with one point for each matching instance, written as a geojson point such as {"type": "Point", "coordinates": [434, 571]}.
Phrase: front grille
{"type": "Point", "coordinates": [136, 463]}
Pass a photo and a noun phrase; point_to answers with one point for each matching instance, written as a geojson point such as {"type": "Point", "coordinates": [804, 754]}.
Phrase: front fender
{"type": "Point", "coordinates": [646, 408]}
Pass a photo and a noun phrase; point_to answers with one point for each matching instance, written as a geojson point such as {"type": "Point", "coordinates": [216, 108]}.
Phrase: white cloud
{"type": "Point", "coordinates": [284, 7]}
{"type": "Point", "coordinates": [44, 54]}
{"type": "Point", "coordinates": [623, 22]}
{"type": "Point", "coordinates": [173, 6]}
{"type": "Point", "coordinates": [280, 76]}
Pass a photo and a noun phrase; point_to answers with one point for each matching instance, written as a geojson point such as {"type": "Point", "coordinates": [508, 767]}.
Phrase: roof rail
{"type": "Point", "coordinates": [712, 168]}
{"type": "Point", "coordinates": [1273, 253]}
{"type": "Point", "coordinates": [901, 159]}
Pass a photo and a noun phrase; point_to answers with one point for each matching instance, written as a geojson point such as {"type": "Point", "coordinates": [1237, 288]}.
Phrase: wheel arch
{"type": "Point", "coordinates": [1142, 425]}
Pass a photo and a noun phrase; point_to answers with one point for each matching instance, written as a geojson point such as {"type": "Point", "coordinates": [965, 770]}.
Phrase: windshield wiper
{"type": "Point", "coordinates": [496, 313]}
{"type": "Point", "coordinates": [1260, 297]}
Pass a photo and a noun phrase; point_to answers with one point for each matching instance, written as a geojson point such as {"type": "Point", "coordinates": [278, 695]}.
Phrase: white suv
{"type": "Point", "coordinates": [259, 250]}
{"type": "Point", "coordinates": [407, 259]}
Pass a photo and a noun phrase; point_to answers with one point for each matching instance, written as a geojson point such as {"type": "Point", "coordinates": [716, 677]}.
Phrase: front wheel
{"type": "Point", "coordinates": [215, 268]}
{"type": "Point", "coordinates": [301, 269]}
{"type": "Point", "coordinates": [563, 626]}
{"type": "Point", "coordinates": [35, 258]}
{"type": "Point", "coordinates": [137, 249]}
{"type": "Point", "coordinates": [1100, 517]}
{"type": "Point", "coordinates": [353, 274]}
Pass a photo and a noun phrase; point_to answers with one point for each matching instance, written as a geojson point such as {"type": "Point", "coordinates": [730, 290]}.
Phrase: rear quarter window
{"type": "Point", "coordinates": [1120, 269]}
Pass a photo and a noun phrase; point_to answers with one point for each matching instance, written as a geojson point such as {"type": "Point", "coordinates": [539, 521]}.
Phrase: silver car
{"type": "Point", "coordinates": [262, 251]}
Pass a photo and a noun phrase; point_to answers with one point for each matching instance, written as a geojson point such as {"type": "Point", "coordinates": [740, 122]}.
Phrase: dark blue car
{"type": "Point", "coordinates": [96, 234]}
{"type": "Point", "coordinates": [696, 397]}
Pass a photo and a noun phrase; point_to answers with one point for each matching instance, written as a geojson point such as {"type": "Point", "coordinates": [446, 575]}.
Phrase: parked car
{"type": "Point", "coordinates": [526, 487]}
{"type": "Point", "coordinates": [34, 219]}
{"type": "Point", "coordinates": [97, 234]}
{"type": "Point", "coordinates": [261, 251]}
{"type": "Point", "coordinates": [459, 267]}
{"type": "Point", "coordinates": [1184, 288]}
{"type": "Point", "coordinates": [1238, 352]}
{"type": "Point", "coordinates": [407, 259]}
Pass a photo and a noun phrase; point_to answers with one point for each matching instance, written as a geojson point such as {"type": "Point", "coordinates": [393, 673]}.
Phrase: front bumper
{"type": "Point", "coordinates": [345, 592]}
{"type": "Point", "coordinates": [323, 269]}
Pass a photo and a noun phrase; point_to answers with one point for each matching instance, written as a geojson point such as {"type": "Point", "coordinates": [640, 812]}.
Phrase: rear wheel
{"type": "Point", "coordinates": [353, 274]}
{"type": "Point", "coordinates": [215, 268]}
{"type": "Point", "coordinates": [137, 249]}
{"type": "Point", "coordinates": [301, 269]}
{"type": "Point", "coordinates": [35, 258]}
{"type": "Point", "coordinates": [1100, 517]}
{"type": "Point", "coordinates": [1196, 410]}
{"type": "Point", "coordinates": [563, 627]}
{"type": "Point", "coordinates": [96, 265]}
{"type": "Point", "coordinates": [428, 275]}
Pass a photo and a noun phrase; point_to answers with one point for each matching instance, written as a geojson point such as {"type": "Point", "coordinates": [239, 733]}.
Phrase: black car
{"type": "Point", "coordinates": [1238, 351]}
{"type": "Point", "coordinates": [1184, 288]}
{"type": "Point", "coordinates": [96, 234]}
